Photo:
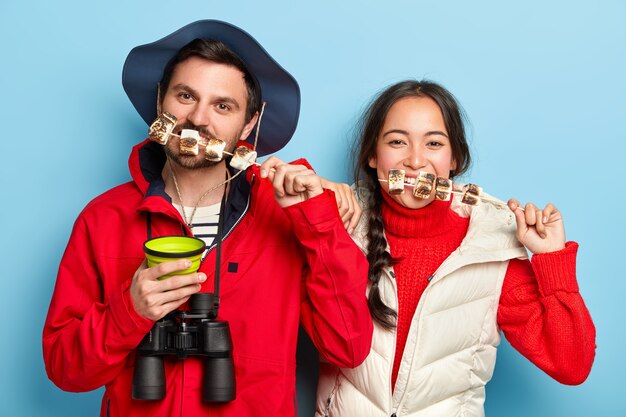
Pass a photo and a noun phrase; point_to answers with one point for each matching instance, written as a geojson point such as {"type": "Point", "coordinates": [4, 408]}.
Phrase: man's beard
{"type": "Point", "coordinates": [172, 150]}
{"type": "Point", "coordinates": [187, 161]}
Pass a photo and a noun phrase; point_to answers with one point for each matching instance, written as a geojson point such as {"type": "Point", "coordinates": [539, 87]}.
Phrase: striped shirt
{"type": "Point", "coordinates": [204, 222]}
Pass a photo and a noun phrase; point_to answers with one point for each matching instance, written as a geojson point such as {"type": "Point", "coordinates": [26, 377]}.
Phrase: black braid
{"type": "Point", "coordinates": [378, 258]}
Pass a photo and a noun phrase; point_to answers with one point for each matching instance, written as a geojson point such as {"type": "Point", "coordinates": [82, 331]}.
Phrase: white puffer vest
{"type": "Point", "coordinates": [450, 351]}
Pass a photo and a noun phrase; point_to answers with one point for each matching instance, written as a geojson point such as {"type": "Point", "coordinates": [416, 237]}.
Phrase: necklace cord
{"type": "Point", "coordinates": [189, 221]}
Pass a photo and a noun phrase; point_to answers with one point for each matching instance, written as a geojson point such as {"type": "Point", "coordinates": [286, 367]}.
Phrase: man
{"type": "Point", "coordinates": [280, 251]}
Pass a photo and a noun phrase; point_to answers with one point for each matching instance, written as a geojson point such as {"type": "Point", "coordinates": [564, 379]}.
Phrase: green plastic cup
{"type": "Point", "coordinates": [171, 248]}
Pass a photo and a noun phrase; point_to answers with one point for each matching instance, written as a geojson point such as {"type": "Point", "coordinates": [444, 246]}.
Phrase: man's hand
{"type": "Point", "coordinates": [540, 231]}
{"type": "Point", "coordinates": [154, 298]}
{"type": "Point", "coordinates": [292, 183]}
{"type": "Point", "coordinates": [348, 206]}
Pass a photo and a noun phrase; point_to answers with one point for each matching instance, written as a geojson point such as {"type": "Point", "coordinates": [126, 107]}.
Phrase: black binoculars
{"type": "Point", "coordinates": [183, 334]}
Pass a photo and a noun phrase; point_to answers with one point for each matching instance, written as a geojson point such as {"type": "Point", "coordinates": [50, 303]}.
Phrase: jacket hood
{"type": "Point", "coordinates": [145, 164]}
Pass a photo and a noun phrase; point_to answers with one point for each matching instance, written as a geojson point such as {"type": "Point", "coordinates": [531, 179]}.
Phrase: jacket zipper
{"type": "Point", "coordinates": [331, 396]}
{"type": "Point", "coordinates": [245, 211]}
{"type": "Point", "coordinates": [392, 274]}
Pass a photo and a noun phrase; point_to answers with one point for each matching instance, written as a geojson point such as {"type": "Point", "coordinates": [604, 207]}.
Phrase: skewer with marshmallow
{"type": "Point", "coordinates": [241, 158]}
{"type": "Point", "coordinates": [163, 128]}
{"type": "Point", "coordinates": [426, 182]}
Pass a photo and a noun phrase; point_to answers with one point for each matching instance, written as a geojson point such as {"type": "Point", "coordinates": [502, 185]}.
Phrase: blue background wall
{"type": "Point", "coordinates": [542, 82]}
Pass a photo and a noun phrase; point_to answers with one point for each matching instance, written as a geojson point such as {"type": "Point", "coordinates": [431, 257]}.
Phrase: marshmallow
{"type": "Point", "coordinates": [396, 181]}
{"type": "Point", "coordinates": [242, 158]}
{"type": "Point", "coordinates": [162, 127]}
{"type": "Point", "coordinates": [189, 142]}
{"type": "Point", "coordinates": [443, 189]}
{"type": "Point", "coordinates": [214, 150]}
{"type": "Point", "coordinates": [472, 194]}
{"type": "Point", "coordinates": [424, 185]}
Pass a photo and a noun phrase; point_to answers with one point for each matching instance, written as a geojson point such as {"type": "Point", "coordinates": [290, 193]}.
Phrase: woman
{"type": "Point", "coordinates": [445, 276]}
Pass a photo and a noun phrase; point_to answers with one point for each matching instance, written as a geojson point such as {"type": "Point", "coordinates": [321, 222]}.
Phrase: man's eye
{"type": "Point", "coordinates": [185, 96]}
{"type": "Point", "coordinates": [223, 106]}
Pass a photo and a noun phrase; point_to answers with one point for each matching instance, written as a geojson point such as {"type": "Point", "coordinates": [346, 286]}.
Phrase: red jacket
{"type": "Point", "coordinates": [280, 267]}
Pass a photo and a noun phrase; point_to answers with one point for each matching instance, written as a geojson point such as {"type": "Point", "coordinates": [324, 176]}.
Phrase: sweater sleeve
{"type": "Point", "coordinates": [544, 317]}
{"type": "Point", "coordinates": [334, 308]}
{"type": "Point", "coordinates": [87, 337]}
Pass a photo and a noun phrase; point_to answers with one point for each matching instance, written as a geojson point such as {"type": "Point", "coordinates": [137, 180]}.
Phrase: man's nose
{"type": "Point", "coordinates": [199, 115]}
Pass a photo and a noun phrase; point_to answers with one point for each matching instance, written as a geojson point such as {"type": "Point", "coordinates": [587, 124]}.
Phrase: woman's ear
{"type": "Point", "coordinates": [372, 162]}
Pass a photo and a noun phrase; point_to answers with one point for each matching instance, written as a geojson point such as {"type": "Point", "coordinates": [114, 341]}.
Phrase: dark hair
{"type": "Point", "coordinates": [368, 131]}
{"type": "Point", "coordinates": [214, 51]}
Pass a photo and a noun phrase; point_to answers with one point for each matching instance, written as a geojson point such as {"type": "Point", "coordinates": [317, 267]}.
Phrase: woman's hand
{"type": "Point", "coordinates": [348, 206]}
{"type": "Point", "coordinates": [540, 231]}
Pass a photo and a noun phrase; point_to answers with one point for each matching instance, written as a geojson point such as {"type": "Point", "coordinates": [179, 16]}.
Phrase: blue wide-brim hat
{"type": "Point", "coordinates": [144, 66]}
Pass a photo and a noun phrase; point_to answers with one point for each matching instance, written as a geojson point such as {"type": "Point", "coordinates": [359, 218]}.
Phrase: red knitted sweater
{"type": "Point", "coordinates": [541, 311]}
